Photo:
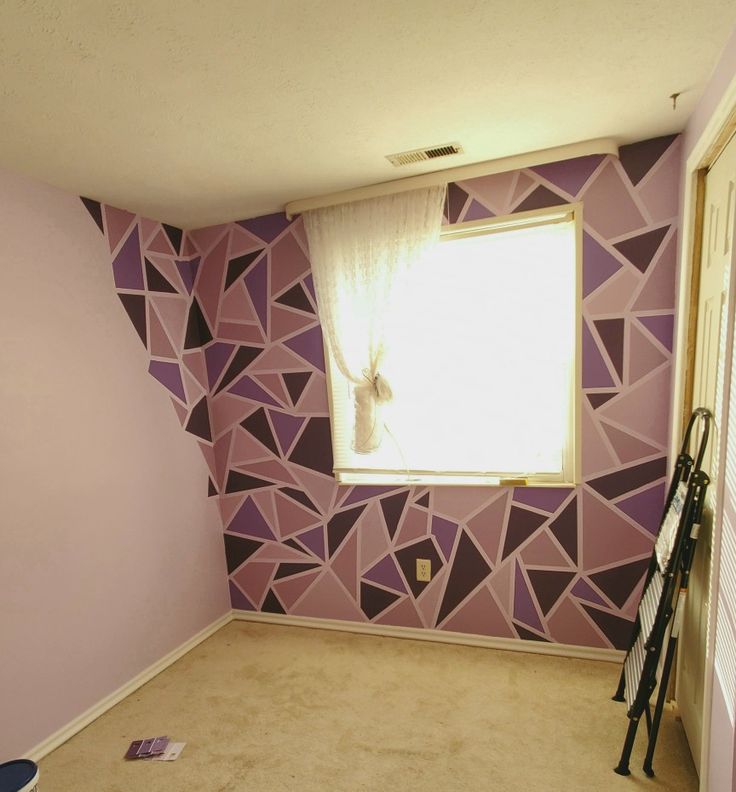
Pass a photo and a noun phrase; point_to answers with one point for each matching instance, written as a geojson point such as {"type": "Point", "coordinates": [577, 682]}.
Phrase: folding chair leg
{"type": "Point", "coordinates": [619, 694]}
{"type": "Point", "coordinates": [623, 765]}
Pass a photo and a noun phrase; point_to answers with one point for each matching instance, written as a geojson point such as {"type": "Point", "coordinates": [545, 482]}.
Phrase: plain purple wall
{"type": "Point", "coordinates": [110, 553]}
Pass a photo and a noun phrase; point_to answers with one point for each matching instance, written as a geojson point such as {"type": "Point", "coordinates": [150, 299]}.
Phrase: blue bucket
{"type": "Point", "coordinates": [20, 775]}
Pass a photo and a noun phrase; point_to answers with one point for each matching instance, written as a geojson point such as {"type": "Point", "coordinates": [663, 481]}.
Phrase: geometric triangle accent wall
{"type": "Point", "coordinates": [230, 323]}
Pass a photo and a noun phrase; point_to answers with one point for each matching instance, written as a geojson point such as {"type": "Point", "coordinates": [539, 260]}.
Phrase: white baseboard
{"type": "Point", "coordinates": [437, 636]}
{"type": "Point", "coordinates": [94, 712]}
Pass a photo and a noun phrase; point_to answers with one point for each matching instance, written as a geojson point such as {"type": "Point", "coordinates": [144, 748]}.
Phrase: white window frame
{"type": "Point", "coordinates": [571, 473]}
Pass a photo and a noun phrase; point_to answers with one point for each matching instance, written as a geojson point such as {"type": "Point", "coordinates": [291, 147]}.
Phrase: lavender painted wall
{"type": "Point", "coordinates": [110, 553]}
{"type": "Point", "coordinates": [229, 320]}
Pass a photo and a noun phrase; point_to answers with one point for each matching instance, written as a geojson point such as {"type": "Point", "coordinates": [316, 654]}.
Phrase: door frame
{"type": "Point", "coordinates": [708, 146]}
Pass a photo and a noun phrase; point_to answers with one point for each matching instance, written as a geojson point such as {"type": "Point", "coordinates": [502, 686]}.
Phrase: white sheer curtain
{"type": "Point", "coordinates": [359, 252]}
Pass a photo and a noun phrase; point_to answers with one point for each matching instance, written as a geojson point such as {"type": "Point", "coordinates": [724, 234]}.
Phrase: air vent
{"type": "Point", "coordinates": [419, 155]}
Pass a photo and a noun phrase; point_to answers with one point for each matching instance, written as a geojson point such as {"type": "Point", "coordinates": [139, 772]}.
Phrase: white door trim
{"type": "Point", "coordinates": [695, 161]}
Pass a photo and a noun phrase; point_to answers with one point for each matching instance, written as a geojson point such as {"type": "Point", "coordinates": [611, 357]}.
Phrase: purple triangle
{"type": "Point", "coordinates": [238, 600]}
{"type": "Point", "coordinates": [309, 283]}
{"type": "Point", "coordinates": [314, 540]}
{"type": "Point", "coordinates": [386, 573]}
{"type": "Point", "coordinates": [598, 265]}
{"type": "Point", "coordinates": [595, 373]}
{"type": "Point", "coordinates": [548, 499]}
{"type": "Point", "coordinates": [126, 267]}
{"type": "Point", "coordinates": [309, 346]}
{"type": "Point", "coordinates": [361, 493]}
{"type": "Point", "coordinates": [188, 272]}
{"type": "Point", "coordinates": [524, 609]}
{"type": "Point", "coordinates": [256, 281]}
{"type": "Point", "coordinates": [249, 389]}
{"type": "Point", "coordinates": [267, 227]}
{"type": "Point", "coordinates": [249, 522]}
{"type": "Point", "coordinates": [645, 507]}
{"type": "Point", "coordinates": [571, 174]}
{"type": "Point", "coordinates": [169, 375]}
{"type": "Point", "coordinates": [476, 211]}
{"type": "Point", "coordinates": [286, 427]}
{"type": "Point", "coordinates": [216, 357]}
{"type": "Point", "coordinates": [445, 532]}
{"type": "Point", "coordinates": [661, 327]}
{"type": "Point", "coordinates": [583, 590]}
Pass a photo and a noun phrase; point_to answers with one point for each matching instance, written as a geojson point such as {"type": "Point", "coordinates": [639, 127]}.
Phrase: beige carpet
{"type": "Point", "coordinates": [266, 708]}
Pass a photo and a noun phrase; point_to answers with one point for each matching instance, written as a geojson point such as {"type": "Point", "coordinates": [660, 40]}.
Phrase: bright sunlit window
{"type": "Point", "coordinates": [482, 356]}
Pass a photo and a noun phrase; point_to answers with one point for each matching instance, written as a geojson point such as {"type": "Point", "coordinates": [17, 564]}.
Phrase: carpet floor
{"type": "Point", "coordinates": [266, 708]}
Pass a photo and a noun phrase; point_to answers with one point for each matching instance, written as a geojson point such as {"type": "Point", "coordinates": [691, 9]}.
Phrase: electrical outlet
{"type": "Point", "coordinates": [424, 570]}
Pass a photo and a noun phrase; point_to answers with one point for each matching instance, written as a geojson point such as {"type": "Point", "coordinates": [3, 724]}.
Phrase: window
{"type": "Point", "coordinates": [482, 359]}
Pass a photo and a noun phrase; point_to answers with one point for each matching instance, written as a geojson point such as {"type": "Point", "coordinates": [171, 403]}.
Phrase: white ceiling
{"type": "Point", "coordinates": [198, 112]}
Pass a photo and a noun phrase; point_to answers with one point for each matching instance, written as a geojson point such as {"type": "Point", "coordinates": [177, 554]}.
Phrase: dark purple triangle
{"type": "Point", "coordinates": [374, 600]}
{"type": "Point", "coordinates": [521, 525]}
{"type": "Point", "coordinates": [199, 421]}
{"type": "Point", "coordinates": [339, 527]}
{"type": "Point", "coordinates": [240, 362]}
{"type": "Point", "coordinates": [188, 272]}
{"type": "Point", "coordinates": [135, 307]}
{"type": "Point", "coordinates": [392, 508]}
{"type": "Point", "coordinates": [271, 604]}
{"type": "Point", "coordinates": [299, 497]}
{"type": "Point", "coordinates": [528, 635]}
{"type": "Point", "coordinates": [548, 586]}
{"type": "Point", "coordinates": [237, 550]}
{"type": "Point", "coordinates": [174, 234]}
{"type": "Point", "coordinates": [640, 250]}
{"type": "Point", "coordinates": [267, 227]}
{"type": "Point", "coordinates": [639, 158]}
{"type": "Point", "coordinates": [294, 545]}
{"type": "Point", "coordinates": [597, 399]}
{"type": "Point", "coordinates": [257, 425]}
{"type": "Point", "coordinates": [424, 500]}
{"type": "Point", "coordinates": [627, 479]}
{"type": "Point", "coordinates": [295, 383]}
{"type": "Point", "coordinates": [237, 266]}
{"type": "Point", "coordinates": [618, 583]}
{"type": "Point", "coordinates": [288, 569]}
{"type": "Point", "coordinates": [156, 281]}
{"type": "Point", "coordinates": [468, 570]}
{"type": "Point", "coordinates": [211, 489]}
{"type": "Point", "coordinates": [313, 449]}
{"type": "Point", "coordinates": [617, 630]}
{"type": "Point", "coordinates": [456, 199]}
{"type": "Point", "coordinates": [565, 529]}
{"type": "Point", "coordinates": [198, 332]}
{"type": "Point", "coordinates": [95, 210]}
{"type": "Point", "coordinates": [241, 482]}
{"type": "Point", "coordinates": [611, 332]}
{"type": "Point", "coordinates": [540, 199]}
{"type": "Point", "coordinates": [407, 559]}
{"type": "Point", "coordinates": [296, 297]}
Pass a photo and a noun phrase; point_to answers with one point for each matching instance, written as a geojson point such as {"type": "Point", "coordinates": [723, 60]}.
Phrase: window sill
{"type": "Point", "coordinates": [450, 480]}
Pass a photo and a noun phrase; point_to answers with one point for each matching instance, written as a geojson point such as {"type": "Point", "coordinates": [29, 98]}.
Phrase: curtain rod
{"type": "Point", "coordinates": [460, 173]}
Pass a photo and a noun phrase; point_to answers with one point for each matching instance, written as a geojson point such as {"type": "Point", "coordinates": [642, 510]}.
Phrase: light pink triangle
{"type": "Point", "coordinates": [229, 504]}
{"type": "Point", "coordinates": [236, 305]}
{"type": "Point", "coordinates": [660, 189]}
{"type": "Point", "coordinates": [288, 263]}
{"type": "Point", "coordinates": [181, 411]}
{"type": "Point", "coordinates": [225, 412]}
{"type": "Point", "coordinates": [188, 246]}
{"type": "Point", "coordinates": [211, 280]}
{"type": "Point", "coordinates": [458, 502]}
{"type": "Point", "coordinates": [160, 244]}
{"type": "Point", "coordinates": [643, 408]}
{"type": "Point", "coordinates": [264, 501]}
{"type": "Point", "coordinates": [205, 238]}
{"type": "Point", "coordinates": [275, 551]}
{"type": "Point", "coordinates": [501, 581]}
{"type": "Point", "coordinates": [413, 526]}
{"type": "Point", "coordinates": [273, 470]}
{"type": "Point", "coordinates": [373, 537]}
{"type": "Point", "coordinates": [607, 537]}
{"type": "Point", "coordinates": [314, 399]}
{"type": "Point", "coordinates": [480, 615]}
{"type": "Point", "coordinates": [568, 625]}
{"type": "Point", "coordinates": [191, 387]}
{"type": "Point", "coordinates": [117, 223]}
{"type": "Point", "coordinates": [492, 191]}
{"type": "Point", "coordinates": [428, 602]}
{"type": "Point", "coordinates": [643, 355]}
{"type": "Point", "coordinates": [245, 333]}
{"type": "Point", "coordinates": [596, 457]}
{"type": "Point", "coordinates": [292, 518]}
{"type": "Point", "coordinates": [487, 527]}
{"type": "Point", "coordinates": [286, 323]}
{"type": "Point", "coordinates": [246, 449]}
{"type": "Point", "coordinates": [615, 295]}
{"type": "Point", "coordinates": [628, 448]}
{"type": "Point", "coordinates": [274, 384]}
{"type": "Point", "coordinates": [345, 564]}
{"type": "Point", "coordinates": [291, 589]}
{"type": "Point", "coordinates": [522, 185]}
{"type": "Point", "coordinates": [194, 361]}
{"type": "Point", "coordinates": [327, 599]}
{"type": "Point", "coordinates": [542, 551]}
{"type": "Point", "coordinates": [148, 227]}
{"type": "Point", "coordinates": [173, 314]}
{"type": "Point", "coordinates": [403, 614]}
{"type": "Point", "coordinates": [609, 189]}
{"type": "Point", "coordinates": [658, 292]}
{"type": "Point", "coordinates": [209, 457]}
{"type": "Point", "coordinates": [242, 242]}
{"type": "Point", "coordinates": [157, 338]}
{"type": "Point", "coordinates": [321, 489]}
{"type": "Point", "coordinates": [253, 578]}
{"type": "Point", "coordinates": [276, 358]}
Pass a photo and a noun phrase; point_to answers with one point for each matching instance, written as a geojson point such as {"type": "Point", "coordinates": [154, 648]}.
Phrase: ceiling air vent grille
{"type": "Point", "coordinates": [419, 155]}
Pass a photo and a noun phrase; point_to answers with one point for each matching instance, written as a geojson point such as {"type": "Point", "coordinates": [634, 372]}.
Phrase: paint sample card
{"type": "Point", "coordinates": [145, 749]}
{"type": "Point", "coordinates": [173, 751]}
